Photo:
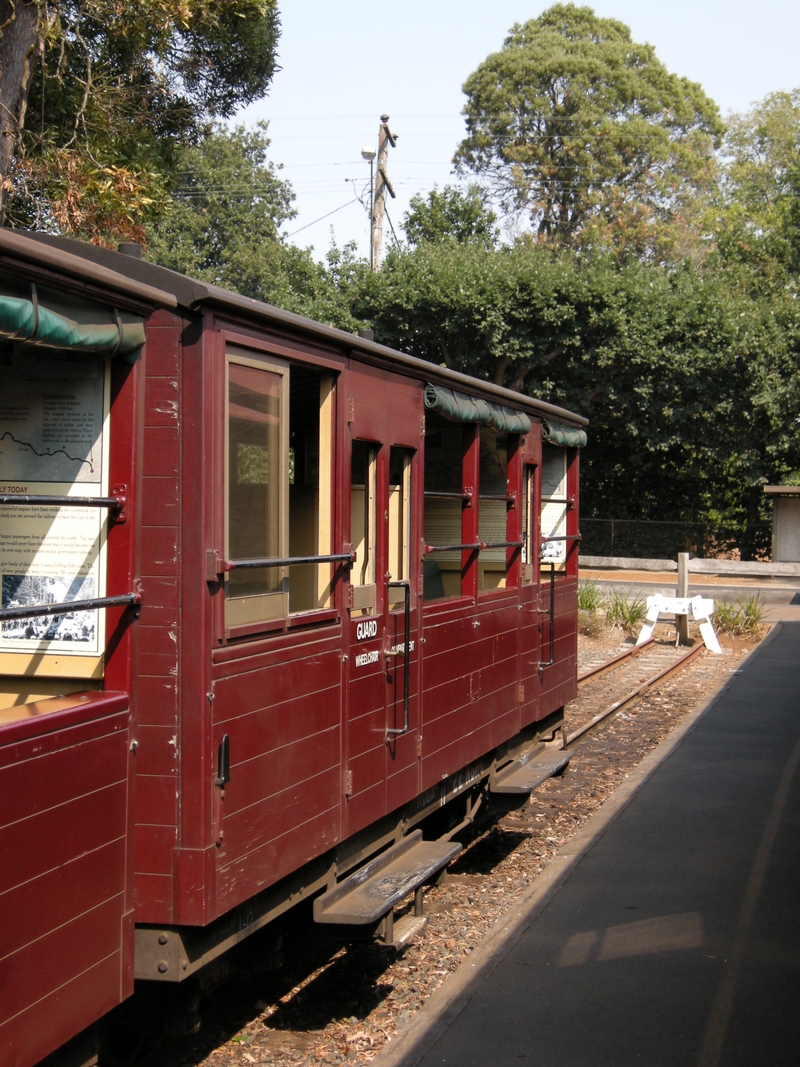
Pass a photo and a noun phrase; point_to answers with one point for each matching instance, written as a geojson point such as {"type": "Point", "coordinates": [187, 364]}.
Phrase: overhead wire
{"type": "Point", "coordinates": [320, 219]}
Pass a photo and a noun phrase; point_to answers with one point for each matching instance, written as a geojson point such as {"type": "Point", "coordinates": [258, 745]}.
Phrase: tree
{"type": "Point", "coordinates": [758, 213]}
{"type": "Point", "coordinates": [95, 96]}
{"type": "Point", "coordinates": [586, 132]}
{"type": "Point", "coordinates": [222, 222]}
{"type": "Point", "coordinates": [451, 215]}
{"type": "Point", "coordinates": [222, 225]}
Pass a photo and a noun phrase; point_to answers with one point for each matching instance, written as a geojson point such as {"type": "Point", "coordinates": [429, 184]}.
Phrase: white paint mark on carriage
{"type": "Point", "coordinates": [365, 658]}
{"type": "Point", "coordinates": [367, 629]}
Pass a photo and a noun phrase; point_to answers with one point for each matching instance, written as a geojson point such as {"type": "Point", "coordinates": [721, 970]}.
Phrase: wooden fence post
{"type": "Point", "coordinates": [682, 621]}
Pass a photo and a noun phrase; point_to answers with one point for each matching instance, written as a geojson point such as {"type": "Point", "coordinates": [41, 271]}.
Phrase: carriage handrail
{"type": "Point", "coordinates": [456, 494]}
{"type": "Point", "coordinates": [477, 546]}
{"type": "Point", "coordinates": [567, 537]}
{"type": "Point", "coordinates": [31, 611]}
{"type": "Point", "coordinates": [225, 565]}
{"type": "Point", "coordinates": [552, 614]}
{"type": "Point", "coordinates": [406, 587]}
{"type": "Point", "coordinates": [20, 500]}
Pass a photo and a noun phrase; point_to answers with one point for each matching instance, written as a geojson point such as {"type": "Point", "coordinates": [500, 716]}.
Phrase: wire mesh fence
{"type": "Point", "coordinates": [654, 539]}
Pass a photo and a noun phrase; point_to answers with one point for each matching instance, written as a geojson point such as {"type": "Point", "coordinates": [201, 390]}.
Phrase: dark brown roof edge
{"type": "Point", "coordinates": [421, 368]}
{"type": "Point", "coordinates": [56, 258]}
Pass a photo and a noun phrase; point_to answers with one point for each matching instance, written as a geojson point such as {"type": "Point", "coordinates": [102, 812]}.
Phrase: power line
{"type": "Point", "coordinates": [340, 208]}
{"type": "Point", "coordinates": [391, 227]}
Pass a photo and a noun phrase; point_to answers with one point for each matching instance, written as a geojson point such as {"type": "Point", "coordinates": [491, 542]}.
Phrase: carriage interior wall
{"type": "Point", "coordinates": [338, 589]}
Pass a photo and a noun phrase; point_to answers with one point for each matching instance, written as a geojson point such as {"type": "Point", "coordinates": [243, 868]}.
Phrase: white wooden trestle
{"type": "Point", "coordinates": [697, 606]}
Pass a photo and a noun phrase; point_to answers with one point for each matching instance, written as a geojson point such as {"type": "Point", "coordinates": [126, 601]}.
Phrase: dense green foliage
{"type": "Point", "coordinates": [584, 131]}
{"type": "Point", "coordinates": [451, 215]}
{"type": "Point", "coordinates": [221, 224]}
{"type": "Point", "coordinates": [690, 382]}
{"type": "Point", "coordinates": [113, 90]}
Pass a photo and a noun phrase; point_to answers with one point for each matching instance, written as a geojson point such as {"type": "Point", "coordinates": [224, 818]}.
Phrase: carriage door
{"type": "Point", "coordinates": [382, 700]}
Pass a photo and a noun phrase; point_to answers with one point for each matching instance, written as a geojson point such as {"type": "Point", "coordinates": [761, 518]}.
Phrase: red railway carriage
{"type": "Point", "coordinates": [272, 594]}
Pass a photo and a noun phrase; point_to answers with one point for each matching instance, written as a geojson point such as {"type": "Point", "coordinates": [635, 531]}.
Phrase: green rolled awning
{"type": "Point", "coordinates": [556, 433]}
{"type": "Point", "coordinates": [462, 408]}
{"type": "Point", "coordinates": [24, 320]}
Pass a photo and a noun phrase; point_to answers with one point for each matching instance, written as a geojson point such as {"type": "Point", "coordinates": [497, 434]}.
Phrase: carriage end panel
{"type": "Point", "coordinates": [66, 940]}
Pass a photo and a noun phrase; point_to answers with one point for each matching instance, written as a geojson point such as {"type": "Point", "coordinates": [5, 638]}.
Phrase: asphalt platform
{"type": "Point", "coordinates": [667, 933]}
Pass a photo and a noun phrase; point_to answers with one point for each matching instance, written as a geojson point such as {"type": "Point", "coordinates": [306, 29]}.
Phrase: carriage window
{"type": "Point", "coordinates": [310, 479]}
{"type": "Point", "coordinates": [256, 491]}
{"type": "Point", "coordinates": [554, 505]}
{"type": "Point", "coordinates": [279, 488]}
{"type": "Point", "coordinates": [363, 504]}
{"type": "Point", "coordinates": [444, 457]}
{"type": "Point", "coordinates": [493, 513]}
{"type": "Point", "coordinates": [399, 520]}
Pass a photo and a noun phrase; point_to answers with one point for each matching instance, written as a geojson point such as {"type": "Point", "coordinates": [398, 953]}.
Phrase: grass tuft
{"type": "Point", "coordinates": [624, 612]}
{"type": "Point", "coordinates": [745, 618]}
{"type": "Point", "coordinates": [590, 598]}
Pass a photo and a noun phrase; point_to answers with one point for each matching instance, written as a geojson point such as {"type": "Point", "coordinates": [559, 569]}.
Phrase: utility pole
{"type": "Point", "coordinates": [382, 183]}
{"type": "Point", "coordinates": [368, 153]}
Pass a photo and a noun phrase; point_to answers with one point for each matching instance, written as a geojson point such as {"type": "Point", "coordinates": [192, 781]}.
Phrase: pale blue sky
{"type": "Point", "coordinates": [344, 63]}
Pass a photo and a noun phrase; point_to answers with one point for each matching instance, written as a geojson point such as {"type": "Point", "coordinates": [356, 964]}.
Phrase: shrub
{"type": "Point", "coordinates": [589, 623]}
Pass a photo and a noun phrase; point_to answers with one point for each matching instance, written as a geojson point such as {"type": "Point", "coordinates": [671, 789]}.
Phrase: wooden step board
{"type": "Point", "coordinates": [529, 770]}
{"type": "Point", "coordinates": [373, 890]}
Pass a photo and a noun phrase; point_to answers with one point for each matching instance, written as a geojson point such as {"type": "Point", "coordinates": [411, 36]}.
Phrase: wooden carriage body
{"type": "Point", "coordinates": [325, 613]}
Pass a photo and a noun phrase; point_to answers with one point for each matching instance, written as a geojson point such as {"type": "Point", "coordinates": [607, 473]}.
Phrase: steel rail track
{"type": "Point", "coordinates": [617, 661]}
{"type": "Point", "coordinates": [634, 694]}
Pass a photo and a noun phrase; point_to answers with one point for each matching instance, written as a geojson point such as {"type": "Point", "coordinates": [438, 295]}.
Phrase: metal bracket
{"type": "Point", "coordinates": [118, 514]}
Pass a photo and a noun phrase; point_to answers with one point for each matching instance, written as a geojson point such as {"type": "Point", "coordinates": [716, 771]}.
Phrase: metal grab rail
{"type": "Point", "coordinates": [224, 565]}
{"type": "Point", "coordinates": [567, 537]}
{"type": "Point", "coordinates": [453, 548]}
{"type": "Point", "coordinates": [406, 587]}
{"type": "Point", "coordinates": [35, 610]}
{"type": "Point", "coordinates": [19, 500]}
{"type": "Point", "coordinates": [478, 546]}
{"type": "Point", "coordinates": [552, 614]}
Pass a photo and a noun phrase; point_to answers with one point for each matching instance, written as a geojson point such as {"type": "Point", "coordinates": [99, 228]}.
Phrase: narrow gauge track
{"type": "Point", "coordinates": [651, 653]}
{"type": "Point", "coordinates": [335, 1003]}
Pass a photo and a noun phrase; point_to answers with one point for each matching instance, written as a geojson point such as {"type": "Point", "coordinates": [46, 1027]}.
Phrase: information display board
{"type": "Point", "coordinates": [53, 442]}
{"type": "Point", "coordinates": [554, 503]}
